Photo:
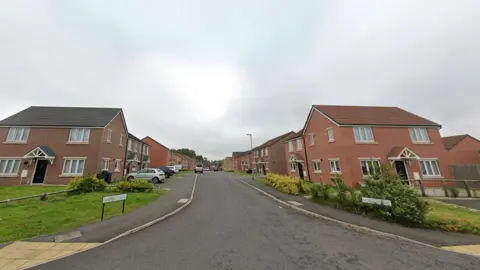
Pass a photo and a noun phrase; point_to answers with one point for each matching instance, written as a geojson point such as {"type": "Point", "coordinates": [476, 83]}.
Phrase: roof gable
{"type": "Point", "coordinates": [293, 136]}
{"type": "Point", "coordinates": [451, 141]}
{"type": "Point", "coordinates": [372, 115]}
{"type": "Point", "coordinates": [273, 140]}
{"type": "Point", "coordinates": [155, 141]}
{"type": "Point", "coordinates": [62, 117]}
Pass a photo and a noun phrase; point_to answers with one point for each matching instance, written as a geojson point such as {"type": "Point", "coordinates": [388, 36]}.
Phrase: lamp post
{"type": "Point", "coordinates": [251, 154]}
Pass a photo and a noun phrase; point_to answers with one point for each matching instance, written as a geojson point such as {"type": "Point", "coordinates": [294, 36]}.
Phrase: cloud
{"type": "Point", "coordinates": [203, 74]}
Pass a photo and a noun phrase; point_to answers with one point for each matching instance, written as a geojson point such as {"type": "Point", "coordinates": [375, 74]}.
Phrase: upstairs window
{"type": "Point", "coordinates": [312, 138]}
{"type": "Point", "coordinates": [109, 135]}
{"type": "Point", "coordinates": [121, 140]}
{"type": "Point", "coordinates": [290, 146]}
{"type": "Point", "coordinates": [79, 135]}
{"type": "Point", "coordinates": [266, 151]}
{"type": "Point", "coordinates": [261, 153]}
{"type": "Point", "coordinates": [147, 150]}
{"type": "Point", "coordinates": [419, 135]}
{"type": "Point", "coordinates": [299, 144]}
{"type": "Point", "coordinates": [18, 134]}
{"type": "Point", "coordinates": [130, 146]}
{"type": "Point", "coordinates": [331, 138]}
{"type": "Point", "coordinates": [363, 134]}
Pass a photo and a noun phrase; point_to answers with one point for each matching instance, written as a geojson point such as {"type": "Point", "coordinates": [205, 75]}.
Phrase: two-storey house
{"type": "Point", "coordinates": [462, 149]}
{"type": "Point", "coordinates": [244, 161]}
{"type": "Point", "coordinates": [352, 140]}
{"type": "Point", "coordinates": [159, 153]}
{"type": "Point", "coordinates": [175, 159]}
{"type": "Point", "coordinates": [51, 145]}
{"type": "Point", "coordinates": [270, 157]}
{"type": "Point", "coordinates": [294, 155]}
{"type": "Point", "coordinates": [228, 164]}
{"type": "Point", "coordinates": [138, 154]}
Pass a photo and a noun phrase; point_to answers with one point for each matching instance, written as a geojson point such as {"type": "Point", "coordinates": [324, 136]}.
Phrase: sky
{"type": "Point", "coordinates": [203, 74]}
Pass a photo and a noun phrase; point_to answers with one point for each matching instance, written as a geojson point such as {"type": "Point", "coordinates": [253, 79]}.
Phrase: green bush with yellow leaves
{"type": "Point", "coordinates": [284, 183]}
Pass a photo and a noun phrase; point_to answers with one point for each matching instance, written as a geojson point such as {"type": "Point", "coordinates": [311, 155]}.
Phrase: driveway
{"type": "Point", "coordinates": [230, 226]}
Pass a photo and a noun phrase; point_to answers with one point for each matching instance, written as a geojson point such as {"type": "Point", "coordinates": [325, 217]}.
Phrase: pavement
{"type": "Point", "coordinates": [473, 203]}
{"type": "Point", "coordinates": [23, 254]}
{"type": "Point", "coordinates": [231, 226]}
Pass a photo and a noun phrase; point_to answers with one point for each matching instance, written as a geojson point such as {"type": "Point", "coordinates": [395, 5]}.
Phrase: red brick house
{"type": "Point", "coordinates": [350, 140]}
{"type": "Point", "coordinates": [242, 161]}
{"type": "Point", "coordinates": [138, 154]}
{"type": "Point", "coordinates": [294, 156]}
{"type": "Point", "coordinates": [462, 149]}
{"type": "Point", "coordinates": [175, 159]}
{"type": "Point", "coordinates": [51, 145]}
{"type": "Point", "coordinates": [159, 153]}
{"type": "Point", "coordinates": [270, 157]}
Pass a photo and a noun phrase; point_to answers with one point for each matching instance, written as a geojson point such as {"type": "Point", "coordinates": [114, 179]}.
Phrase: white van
{"type": "Point", "coordinates": [199, 168]}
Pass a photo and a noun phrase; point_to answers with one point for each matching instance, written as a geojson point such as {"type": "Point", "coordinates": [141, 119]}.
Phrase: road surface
{"type": "Point", "coordinates": [230, 226]}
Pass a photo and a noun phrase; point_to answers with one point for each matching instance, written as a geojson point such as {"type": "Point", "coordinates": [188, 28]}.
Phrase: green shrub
{"type": "Point", "coordinates": [305, 186]}
{"type": "Point", "coordinates": [284, 184]}
{"type": "Point", "coordinates": [454, 191]}
{"type": "Point", "coordinates": [407, 206]}
{"type": "Point", "coordinates": [134, 186]}
{"type": "Point", "coordinates": [87, 184]}
{"type": "Point", "coordinates": [229, 171]}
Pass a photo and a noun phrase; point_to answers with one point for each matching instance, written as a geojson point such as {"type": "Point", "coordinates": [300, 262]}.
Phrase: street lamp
{"type": "Point", "coordinates": [251, 154]}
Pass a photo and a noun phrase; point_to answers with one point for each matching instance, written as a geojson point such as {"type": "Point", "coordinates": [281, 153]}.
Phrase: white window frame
{"type": "Point", "coordinates": [121, 140]}
{"type": "Point", "coordinates": [316, 166]}
{"type": "Point", "coordinates": [12, 170]}
{"type": "Point", "coordinates": [362, 134]}
{"type": "Point", "coordinates": [109, 135]}
{"type": "Point", "coordinates": [330, 135]}
{"type": "Point", "coordinates": [311, 138]}
{"type": "Point", "coordinates": [117, 165]}
{"type": "Point", "coordinates": [14, 132]}
{"type": "Point", "coordinates": [369, 162]}
{"type": "Point", "coordinates": [266, 152]}
{"type": "Point", "coordinates": [261, 152]}
{"type": "Point", "coordinates": [425, 169]}
{"type": "Point", "coordinates": [419, 135]}
{"type": "Point", "coordinates": [299, 144]}
{"type": "Point", "coordinates": [333, 169]}
{"type": "Point", "coordinates": [290, 146]}
{"type": "Point", "coordinates": [147, 150]}
{"type": "Point", "coordinates": [85, 135]}
{"type": "Point", "coordinates": [293, 166]}
{"type": "Point", "coordinates": [72, 159]}
{"type": "Point", "coordinates": [135, 146]}
{"type": "Point", "coordinates": [106, 164]}
{"type": "Point", "coordinates": [129, 145]}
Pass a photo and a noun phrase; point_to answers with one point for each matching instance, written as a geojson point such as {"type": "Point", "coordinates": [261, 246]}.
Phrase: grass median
{"type": "Point", "coordinates": [452, 218]}
{"type": "Point", "coordinates": [30, 218]}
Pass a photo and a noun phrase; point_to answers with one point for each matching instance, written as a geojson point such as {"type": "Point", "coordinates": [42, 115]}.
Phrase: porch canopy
{"type": "Point", "coordinates": [401, 153]}
{"type": "Point", "coordinates": [296, 158]}
{"type": "Point", "coordinates": [41, 152]}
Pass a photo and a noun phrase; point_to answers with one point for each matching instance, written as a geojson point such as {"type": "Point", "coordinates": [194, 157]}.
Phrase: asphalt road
{"type": "Point", "coordinates": [230, 226]}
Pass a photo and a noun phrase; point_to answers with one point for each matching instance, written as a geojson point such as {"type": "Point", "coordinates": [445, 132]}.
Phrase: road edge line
{"type": "Point", "coordinates": [134, 230]}
{"type": "Point", "coordinates": [358, 228]}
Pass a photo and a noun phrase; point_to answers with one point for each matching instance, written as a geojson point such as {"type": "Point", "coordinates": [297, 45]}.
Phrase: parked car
{"type": "Point", "coordinates": [151, 174]}
{"type": "Point", "coordinates": [173, 168]}
{"type": "Point", "coordinates": [168, 172]}
{"type": "Point", "coordinates": [199, 168]}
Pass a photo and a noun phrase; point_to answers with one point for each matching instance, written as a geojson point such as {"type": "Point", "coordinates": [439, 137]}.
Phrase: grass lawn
{"type": "Point", "coordinates": [26, 190]}
{"type": "Point", "coordinates": [29, 218]}
{"type": "Point", "coordinates": [454, 218]}
{"type": "Point", "coordinates": [182, 173]}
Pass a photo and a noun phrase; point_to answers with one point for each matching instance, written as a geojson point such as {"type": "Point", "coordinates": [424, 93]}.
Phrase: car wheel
{"type": "Point", "coordinates": [130, 178]}
{"type": "Point", "coordinates": [155, 180]}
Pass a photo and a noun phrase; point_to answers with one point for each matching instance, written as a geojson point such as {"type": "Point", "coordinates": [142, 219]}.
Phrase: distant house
{"type": "Point", "coordinates": [138, 154]}
{"type": "Point", "coordinates": [294, 157]}
{"type": "Point", "coordinates": [270, 156]}
{"type": "Point", "coordinates": [462, 149]}
{"type": "Point", "coordinates": [242, 161]}
{"type": "Point", "coordinates": [51, 145]}
{"type": "Point", "coordinates": [175, 159]}
{"type": "Point", "coordinates": [228, 164]}
{"type": "Point", "coordinates": [352, 140]}
{"type": "Point", "coordinates": [159, 153]}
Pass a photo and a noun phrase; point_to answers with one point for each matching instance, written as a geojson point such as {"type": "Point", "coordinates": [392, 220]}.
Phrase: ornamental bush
{"type": "Point", "coordinates": [134, 186]}
{"type": "Point", "coordinates": [283, 183]}
{"type": "Point", "coordinates": [86, 184]}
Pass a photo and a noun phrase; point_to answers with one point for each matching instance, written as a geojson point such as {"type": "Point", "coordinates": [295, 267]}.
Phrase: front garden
{"type": "Point", "coordinates": [408, 208]}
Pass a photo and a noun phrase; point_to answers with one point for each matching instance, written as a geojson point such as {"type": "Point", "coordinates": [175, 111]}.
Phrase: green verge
{"type": "Point", "coordinates": [30, 218]}
{"type": "Point", "coordinates": [26, 190]}
{"type": "Point", "coordinates": [452, 218]}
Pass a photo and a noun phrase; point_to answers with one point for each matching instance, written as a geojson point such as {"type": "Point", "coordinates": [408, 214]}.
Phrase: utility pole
{"type": "Point", "coordinates": [251, 154]}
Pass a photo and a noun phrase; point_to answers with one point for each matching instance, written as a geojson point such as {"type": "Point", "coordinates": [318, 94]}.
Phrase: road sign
{"type": "Point", "coordinates": [114, 198]}
{"type": "Point", "coordinates": [376, 201]}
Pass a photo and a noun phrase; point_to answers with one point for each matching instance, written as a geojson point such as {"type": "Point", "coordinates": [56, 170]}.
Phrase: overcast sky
{"type": "Point", "coordinates": [202, 74]}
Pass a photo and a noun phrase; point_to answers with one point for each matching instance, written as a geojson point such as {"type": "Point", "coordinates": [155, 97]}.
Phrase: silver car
{"type": "Point", "coordinates": [153, 175]}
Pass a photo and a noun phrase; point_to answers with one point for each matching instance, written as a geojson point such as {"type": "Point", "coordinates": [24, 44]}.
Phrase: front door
{"type": "Point", "coordinates": [300, 170]}
{"type": "Point", "coordinates": [401, 170]}
{"type": "Point", "coordinates": [40, 171]}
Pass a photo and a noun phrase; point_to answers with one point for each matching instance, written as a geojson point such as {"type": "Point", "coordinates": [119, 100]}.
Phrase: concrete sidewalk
{"type": "Point", "coordinates": [431, 237]}
{"type": "Point", "coordinates": [179, 188]}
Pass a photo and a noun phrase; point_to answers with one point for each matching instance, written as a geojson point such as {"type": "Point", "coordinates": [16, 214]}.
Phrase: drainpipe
{"type": "Point", "coordinates": [306, 158]}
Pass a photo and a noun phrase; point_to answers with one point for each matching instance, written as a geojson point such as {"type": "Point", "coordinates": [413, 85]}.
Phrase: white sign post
{"type": "Point", "coordinates": [366, 200]}
{"type": "Point", "coordinates": [114, 198]}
